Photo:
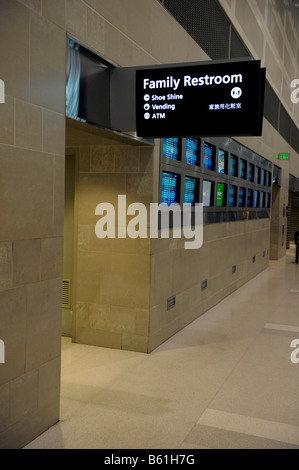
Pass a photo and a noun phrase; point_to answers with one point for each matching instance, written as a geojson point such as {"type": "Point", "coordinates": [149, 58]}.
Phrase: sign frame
{"type": "Point", "coordinates": [176, 89]}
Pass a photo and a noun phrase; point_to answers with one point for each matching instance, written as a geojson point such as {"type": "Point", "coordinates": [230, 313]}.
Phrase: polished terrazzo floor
{"type": "Point", "coordinates": [224, 382]}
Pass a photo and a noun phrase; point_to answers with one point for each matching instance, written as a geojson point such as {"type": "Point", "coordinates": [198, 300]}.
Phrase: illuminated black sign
{"type": "Point", "coordinates": [223, 99]}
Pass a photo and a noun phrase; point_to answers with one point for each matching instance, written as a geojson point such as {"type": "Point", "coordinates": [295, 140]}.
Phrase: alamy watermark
{"type": "Point", "coordinates": [186, 221]}
{"type": "Point", "coordinates": [295, 93]}
{"type": "Point", "coordinates": [295, 353]}
{"type": "Point", "coordinates": [2, 92]}
{"type": "Point", "coordinates": [2, 352]}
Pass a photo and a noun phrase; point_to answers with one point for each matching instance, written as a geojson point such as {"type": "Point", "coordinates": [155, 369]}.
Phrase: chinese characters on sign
{"type": "Point", "coordinates": [215, 107]}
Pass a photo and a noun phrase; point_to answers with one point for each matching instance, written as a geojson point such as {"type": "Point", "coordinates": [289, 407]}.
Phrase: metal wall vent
{"type": "Point", "coordinates": [171, 302]}
{"type": "Point", "coordinates": [66, 293]}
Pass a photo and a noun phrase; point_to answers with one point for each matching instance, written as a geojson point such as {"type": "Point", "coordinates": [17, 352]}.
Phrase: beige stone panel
{"type": "Point", "coordinates": [186, 269]}
{"type": "Point", "coordinates": [119, 49]}
{"type": "Point", "coordinates": [156, 319]}
{"type": "Point", "coordinates": [35, 5]}
{"type": "Point", "coordinates": [174, 313]}
{"type": "Point", "coordinates": [101, 338]}
{"type": "Point", "coordinates": [271, 139]}
{"type": "Point", "coordinates": [131, 342]}
{"type": "Point", "coordinates": [88, 278]}
{"type": "Point", "coordinates": [127, 159]}
{"type": "Point", "coordinates": [250, 26]}
{"type": "Point", "coordinates": [76, 19]}
{"type": "Point", "coordinates": [14, 27]}
{"type": "Point", "coordinates": [252, 249]}
{"type": "Point", "coordinates": [82, 314]}
{"type": "Point", "coordinates": [261, 7]}
{"type": "Point", "coordinates": [141, 57]}
{"type": "Point", "coordinates": [44, 310]}
{"type": "Point", "coordinates": [54, 11]}
{"type": "Point", "coordinates": [142, 321]}
{"type": "Point", "coordinates": [13, 325]}
{"type": "Point", "coordinates": [161, 277]}
{"type": "Point", "coordinates": [53, 132]}
{"type": "Point", "coordinates": [115, 12]}
{"type": "Point", "coordinates": [166, 329]}
{"type": "Point", "coordinates": [296, 111]}
{"type": "Point", "coordinates": [99, 316]}
{"type": "Point", "coordinates": [95, 29]}
{"type": "Point", "coordinates": [47, 64]}
{"type": "Point", "coordinates": [214, 231]}
{"type": "Point", "coordinates": [50, 414]}
{"type": "Point", "coordinates": [26, 261]}
{"type": "Point", "coordinates": [4, 406]}
{"type": "Point", "coordinates": [125, 279]}
{"type": "Point", "coordinates": [236, 228]}
{"type": "Point", "coordinates": [7, 114]}
{"type": "Point", "coordinates": [192, 297]}
{"type": "Point", "coordinates": [28, 427]}
{"type": "Point", "coordinates": [84, 158]}
{"type": "Point", "coordinates": [121, 319]}
{"type": "Point", "coordinates": [238, 248]}
{"type": "Point", "coordinates": [220, 281]}
{"type": "Point", "coordinates": [51, 258]}
{"type": "Point", "coordinates": [140, 25]}
{"type": "Point", "coordinates": [286, 94]}
{"type": "Point", "coordinates": [59, 183]}
{"type": "Point", "coordinates": [207, 265]}
{"type": "Point", "coordinates": [289, 64]}
{"type": "Point", "coordinates": [29, 128]}
{"type": "Point", "coordinates": [117, 245]}
{"type": "Point", "coordinates": [97, 188]}
{"type": "Point", "coordinates": [139, 188]}
{"type": "Point", "coordinates": [90, 3]}
{"type": "Point", "coordinates": [209, 303]}
{"type": "Point", "coordinates": [70, 234]}
{"type": "Point", "coordinates": [5, 266]}
{"type": "Point", "coordinates": [84, 237]}
{"type": "Point", "coordinates": [190, 315]}
{"type": "Point", "coordinates": [28, 211]}
{"type": "Point", "coordinates": [23, 396]}
{"type": "Point", "coordinates": [222, 255]}
{"type": "Point", "coordinates": [162, 335]}
{"type": "Point", "coordinates": [155, 340]}
{"type": "Point", "coordinates": [291, 33]}
{"type": "Point", "coordinates": [162, 245]}
{"type": "Point", "coordinates": [274, 72]}
{"type": "Point", "coordinates": [49, 373]}
{"type": "Point", "coordinates": [102, 159]}
{"type": "Point", "coordinates": [275, 33]}
{"type": "Point", "coordinates": [146, 160]}
{"type": "Point", "coordinates": [164, 321]}
{"type": "Point", "coordinates": [244, 267]}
